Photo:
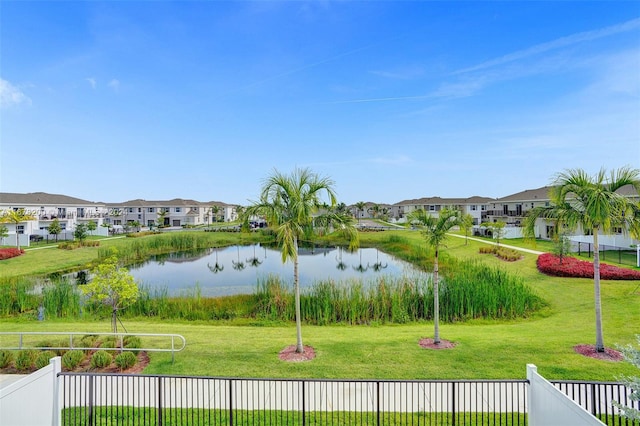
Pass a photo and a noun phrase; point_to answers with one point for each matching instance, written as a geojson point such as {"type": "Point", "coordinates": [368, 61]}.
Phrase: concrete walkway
{"type": "Point", "coordinates": [526, 250]}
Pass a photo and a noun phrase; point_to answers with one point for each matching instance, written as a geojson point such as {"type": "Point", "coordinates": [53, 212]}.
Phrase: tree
{"type": "Point", "coordinates": [466, 223]}
{"type": "Point", "coordinates": [91, 226]}
{"type": "Point", "coordinates": [591, 203]}
{"type": "Point", "coordinates": [291, 205]}
{"type": "Point", "coordinates": [112, 286]}
{"type": "Point", "coordinates": [435, 232]}
{"type": "Point", "coordinates": [80, 233]}
{"type": "Point", "coordinates": [4, 231]}
{"type": "Point", "coordinates": [16, 217]}
{"type": "Point", "coordinates": [162, 213]}
{"type": "Point", "coordinates": [632, 355]}
{"type": "Point", "coordinates": [55, 228]}
{"type": "Point", "coordinates": [360, 205]}
{"type": "Point", "coordinates": [497, 229]}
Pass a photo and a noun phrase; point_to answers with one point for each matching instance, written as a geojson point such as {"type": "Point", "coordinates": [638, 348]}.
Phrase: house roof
{"type": "Point", "coordinates": [166, 203]}
{"type": "Point", "coordinates": [538, 194]}
{"type": "Point", "coordinates": [42, 198]}
{"type": "Point", "coordinates": [445, 201]}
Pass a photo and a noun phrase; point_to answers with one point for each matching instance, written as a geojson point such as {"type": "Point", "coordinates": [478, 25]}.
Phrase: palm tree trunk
{"type": "Point", "coordinates": [436, 302]}
{"type": "Point", "coordinates": [596, 288]}
{"type": "Point", "coordinates": [299, 347]}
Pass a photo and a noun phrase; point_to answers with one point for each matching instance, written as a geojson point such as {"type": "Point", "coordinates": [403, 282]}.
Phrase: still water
{"type": "Point", "coordinates": [237, 269]}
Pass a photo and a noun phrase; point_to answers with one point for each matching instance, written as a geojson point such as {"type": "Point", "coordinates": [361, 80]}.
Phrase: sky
{"type": "Point", "coordinates": [392, 100]}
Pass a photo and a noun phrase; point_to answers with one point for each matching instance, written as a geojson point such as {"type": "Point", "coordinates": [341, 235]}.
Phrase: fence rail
{"type": "Point", "coordinates": [33, 340]}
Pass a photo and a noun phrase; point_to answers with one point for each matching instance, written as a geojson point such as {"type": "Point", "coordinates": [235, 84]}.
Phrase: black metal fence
{"type": "Point", "coordinates": [623, 256]}
{"type": "Point", "coordinates": [93, 399]}
{"type": "Point", "coordinates": [596, 397]}
{"type": "Point", "coordinates": [116, 399]}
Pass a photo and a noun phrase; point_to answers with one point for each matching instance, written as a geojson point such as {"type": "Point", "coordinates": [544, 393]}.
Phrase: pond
{"type": "Point", "coordinates": [237, 269]}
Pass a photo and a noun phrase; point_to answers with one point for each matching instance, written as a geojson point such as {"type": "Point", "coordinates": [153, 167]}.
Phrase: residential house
{"type": "Point", "coordinates": [177, 212]}
{"type": "Point", "coordinates": [476, 206]}
{"type": "Point", "coordinates": [45, 208]}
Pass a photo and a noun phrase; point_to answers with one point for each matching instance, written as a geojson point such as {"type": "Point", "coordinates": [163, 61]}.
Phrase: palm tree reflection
{"type": "Point", "coordinates": [217, 267]}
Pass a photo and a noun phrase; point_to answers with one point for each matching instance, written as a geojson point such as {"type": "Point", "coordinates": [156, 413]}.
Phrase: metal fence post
{"type": "Point", "coordinates": [90, 399]}
{"type": "Point", "coordinates": [159, 386]}
{"type": "Point", "coordinates": [378, 403]}
{"type": "Point", "coordinates": [230, 402]}
{"type": "Point", "coordinates": [453, 403]}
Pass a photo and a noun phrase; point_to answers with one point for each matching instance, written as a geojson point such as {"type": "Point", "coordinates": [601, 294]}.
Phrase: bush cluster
{"type": "Point", "coordinates": [571, 267]}
{"type": "Point", "coordinates": [72, 245]}
{"type": "Point", "coordinates": [101, 359]}
{"type": "Point", "coordinates": [8, 253]}
{"type": "Point", "coordinates": [125, 360]}
{"type": "Point", "coordinates": [510, 255]}
{"type": "Point", "coordinates": [71, 359]}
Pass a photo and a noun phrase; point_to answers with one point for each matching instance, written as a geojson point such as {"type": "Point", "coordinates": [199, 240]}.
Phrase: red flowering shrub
{"type": "Point", "coordinates": [8, 253]}
{"type": "Point", "coordinates": [571, 267]}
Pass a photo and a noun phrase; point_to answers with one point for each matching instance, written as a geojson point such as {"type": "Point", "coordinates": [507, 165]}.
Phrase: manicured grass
{"type": "Point", "coordinates": [485, 349]}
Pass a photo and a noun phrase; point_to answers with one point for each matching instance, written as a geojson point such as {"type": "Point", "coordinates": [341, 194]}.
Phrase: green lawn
{"type": "Point", "coordinates": [485, 349]}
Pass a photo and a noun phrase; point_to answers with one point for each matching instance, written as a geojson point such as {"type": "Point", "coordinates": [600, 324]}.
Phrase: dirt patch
{"type": "Point", "coordinates": [428, 343]}
{"type": "Point", "coordinates": [607, 355]}
{"type": "Point", "coordinates": [289, 354]}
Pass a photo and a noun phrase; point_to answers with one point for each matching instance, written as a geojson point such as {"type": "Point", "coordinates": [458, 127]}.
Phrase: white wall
{"type": "Point", "coordinates": [30, 401]}
{"type": "Point", "coordinates": [548, 406]}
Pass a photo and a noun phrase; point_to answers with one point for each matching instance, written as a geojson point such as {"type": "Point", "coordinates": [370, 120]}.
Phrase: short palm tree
{"type": "Point", "coordinates": [16, 217]}
{"type": "Point", "coordinates": [292, 205]}
{"type": "Point", "coordinates": [435, 232]}
{"type": "Point", "coordinates": [592, 203]}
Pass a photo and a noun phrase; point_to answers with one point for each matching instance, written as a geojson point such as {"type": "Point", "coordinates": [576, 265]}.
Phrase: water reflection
{"type": "Point", "coordinates": [206, 268]}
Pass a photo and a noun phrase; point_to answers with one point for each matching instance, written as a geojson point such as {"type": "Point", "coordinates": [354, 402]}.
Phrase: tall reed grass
{"type": "Point", "coordinates": [473, 291]}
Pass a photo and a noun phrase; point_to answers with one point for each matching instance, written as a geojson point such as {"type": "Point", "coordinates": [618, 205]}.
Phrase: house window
{"type": "Point", "coordinates": [617, 230]}
{"type": "Point", "coordinates": [151, 209]}
{"type": "Point", "coordinates": [546, 204]}
{"type": "Point", "coordinates": [139, 216]}
{"type": "Point", "coordinates": [130, 209]}
{"type": "Point", "coordinates": [139, 209]}
{"type": "Point", "coordinates": [474, 208]}
{"type": "Point", "coordinates": [432, 208]}
{"type": "Point", "coordinates": [20, 229]}
{"type": "Point", "coordinates": [178, 209]}
{"type": "Point", "coordinates": [483, 208]}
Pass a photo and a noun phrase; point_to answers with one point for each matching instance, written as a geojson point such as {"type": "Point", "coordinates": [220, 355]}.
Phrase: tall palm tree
{"type": "Point", "coordinates": [360, 205]}
{"type": "Point", "coordinates": [591, 203]}
{"type": "Point", "coordinates": [16, 217]}
{"type": "Point", "coordinates": [290, 204]}
{"type": "Point", "coordinates": [435, 231]}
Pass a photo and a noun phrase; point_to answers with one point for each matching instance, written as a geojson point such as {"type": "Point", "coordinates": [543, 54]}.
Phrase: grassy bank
{"type": "Point", "coordinates": [485, 348]}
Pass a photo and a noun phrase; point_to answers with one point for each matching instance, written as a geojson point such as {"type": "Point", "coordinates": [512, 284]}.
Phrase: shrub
{"type": "Point", "coordinates": [69, 245]}
{"type": "Point", "coordinates": [101, 359]}
{"type": "Point", "coordinates": [487, 250]}
{"type": "Point", "coordinates": [71, 359]}
{"type": "Point", "coordinates": [125, 360]}
{"type": "Point", "coordinates": [25, 359]}
{"type": "Point", "coordinates": [8, 253]}
{"type": "Point", "coordinates": [571, 267]}
{"type": "Point", "coordinates": [132, 342]}
{"type": "Point", "coordinates": [43, 358]}
{"type": "Point", "coordinates": [508, 254]}
{"type": "Point", "coordinates": [6, 358]}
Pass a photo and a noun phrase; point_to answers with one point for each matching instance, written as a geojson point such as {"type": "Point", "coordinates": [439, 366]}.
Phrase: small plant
{"type": "Point", "coordinates": [132, 342]}
{"type": "Point", "coordinates": [6, 358]}
{"type": "Point", "coordinates": [125, 360]}
{"type": "Point", "coordinates": [71, 359]}
{"type": "Point", "coordinates": [25, 359]}
{"type": "Point", "coordinates": [43, 359]}
{"type": "Point", "coordinates": [101, 359]}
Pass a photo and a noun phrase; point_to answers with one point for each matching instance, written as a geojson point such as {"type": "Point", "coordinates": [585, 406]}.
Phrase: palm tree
{"type": "Point", "coordinates": [16, 217]}
{"type": "Point", "coordinates": [435, 231]}
{"type": "Point", "coordinates": [290, 204]}
{"type": "Point", "coordinates": [360, 205]}
{"type": "Point", "coordinates": [591, 203]}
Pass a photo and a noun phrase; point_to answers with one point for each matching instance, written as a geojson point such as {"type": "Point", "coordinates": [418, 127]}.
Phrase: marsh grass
{"type": "Point", "coordinates": [474, 291]}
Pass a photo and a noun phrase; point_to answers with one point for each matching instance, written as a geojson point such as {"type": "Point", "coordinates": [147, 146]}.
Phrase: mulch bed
{"type": "Point", "coordinates": [289, 354]}
{"type": "Point", "coordinates": [85, 366]}
{"type": "Point", "coordinates": [428, 343]}
{"type": "Point", "coordinates": [607, 355]}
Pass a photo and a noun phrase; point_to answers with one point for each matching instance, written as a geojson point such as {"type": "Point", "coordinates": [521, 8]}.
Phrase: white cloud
{"type": "Point", "coordinates": [92, 82]}
{"type": "Point", "coordinates": [11, 95]}
{"type": "Point", "coordinates": [556, 44]}
{"type": "Point", "coordinates": [114, 84]}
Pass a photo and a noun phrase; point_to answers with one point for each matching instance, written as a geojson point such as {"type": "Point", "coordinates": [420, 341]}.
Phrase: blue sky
{"type": "Point", "coordinates": [110, 101]}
